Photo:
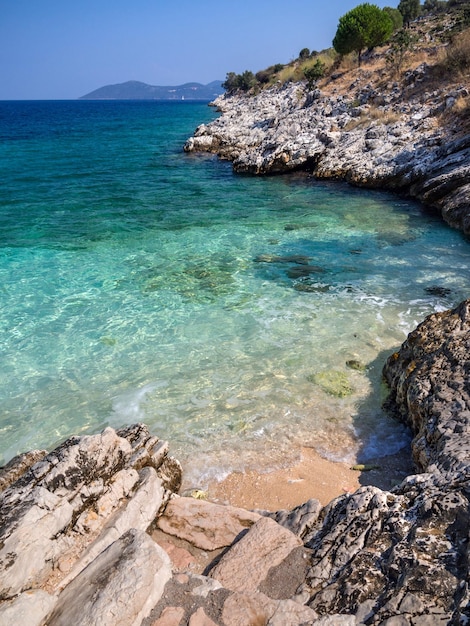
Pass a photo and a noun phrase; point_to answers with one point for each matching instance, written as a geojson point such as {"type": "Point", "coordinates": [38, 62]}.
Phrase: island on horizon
{"type": "Point", "coordinates": [136, 90]}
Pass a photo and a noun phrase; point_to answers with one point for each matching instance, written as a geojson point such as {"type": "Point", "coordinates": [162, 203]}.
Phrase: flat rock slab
{"type": "Point", "coordinates": [248, 563]}
{"type": "Point", "coordinates": [256, 608]}
{"type": "Point", "coordinates": [119, 588]}
{"type": "Point", "coordinates": [204, 524]}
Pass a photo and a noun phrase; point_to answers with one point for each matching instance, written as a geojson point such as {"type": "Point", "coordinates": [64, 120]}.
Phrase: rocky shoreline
{"type": "Point", "coordinates": [95, 533]}
{"type": "Point", "coordinates": [388, 138]}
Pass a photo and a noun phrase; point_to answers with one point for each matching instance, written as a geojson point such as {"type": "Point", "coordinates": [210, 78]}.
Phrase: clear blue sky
{"type": "Point", "coordinates": [60, 49]}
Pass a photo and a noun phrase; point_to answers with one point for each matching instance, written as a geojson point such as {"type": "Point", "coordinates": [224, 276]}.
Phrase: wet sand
{"type": "Point", "coordinates": [312, 477]}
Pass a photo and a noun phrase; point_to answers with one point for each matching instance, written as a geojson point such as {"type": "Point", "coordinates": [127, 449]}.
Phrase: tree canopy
{"type": "Point", "coordinates": [396, 16]}
{"type": "Point", "coordinates": [365, 26]}
{"type": "Point", "coordinates": [410, 9]}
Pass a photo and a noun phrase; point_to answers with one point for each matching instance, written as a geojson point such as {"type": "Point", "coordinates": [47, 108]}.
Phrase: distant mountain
{"type": "Point", "coordinates": [135, 90]}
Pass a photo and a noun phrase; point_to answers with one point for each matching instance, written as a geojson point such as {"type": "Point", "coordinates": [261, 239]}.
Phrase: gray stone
{"type": "Point", "coordinates": [336, 620]}
{"type": "Point", "coordinates": [365, 611]}
{"type": "Point", "coordinates": [18, 466]}
{"type": "Point", "coordinates": [430, 620]}
{"type": "Point", "coordinates": [299, 520]}
{"type": "Point", "coordinates": [396, 620]}
{"type": "Point", "coordinates": [411, 604]}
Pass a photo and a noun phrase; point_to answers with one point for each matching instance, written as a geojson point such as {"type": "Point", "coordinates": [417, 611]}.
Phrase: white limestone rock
{"type": "Point", "coordinates": [29, 524]}
{"type": "Point", "coordinates": [138, 513]}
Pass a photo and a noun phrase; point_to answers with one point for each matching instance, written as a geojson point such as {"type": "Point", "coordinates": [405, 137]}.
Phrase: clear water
{"type": "Point", "coordinates": [139, 283]}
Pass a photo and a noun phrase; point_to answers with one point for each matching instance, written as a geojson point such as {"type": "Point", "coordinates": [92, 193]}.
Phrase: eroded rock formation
{"type": "Point", "coordinates": [389, 139]}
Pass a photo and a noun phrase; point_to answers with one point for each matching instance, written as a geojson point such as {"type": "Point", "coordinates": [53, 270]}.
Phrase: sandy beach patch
{"type": "Point", "coordinates": [312, 477]}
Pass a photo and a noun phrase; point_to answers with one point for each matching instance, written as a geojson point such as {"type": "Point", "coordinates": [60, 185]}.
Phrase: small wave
{"type": "Point", "coordinates": [127, 407]}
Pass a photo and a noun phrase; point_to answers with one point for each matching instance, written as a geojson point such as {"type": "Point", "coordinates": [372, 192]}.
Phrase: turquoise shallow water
{"type": "Point", "coordinates": [141, 283]}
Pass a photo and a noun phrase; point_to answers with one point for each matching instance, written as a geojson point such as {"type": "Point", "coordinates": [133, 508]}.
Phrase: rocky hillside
{"type": "Point", "coordinates": [408, 131]}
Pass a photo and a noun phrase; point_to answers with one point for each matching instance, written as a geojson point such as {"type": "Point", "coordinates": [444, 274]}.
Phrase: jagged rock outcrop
{"type": "Point", "coordinates": [70, 506]}
{"type": "Point", "coordinates": [80, 526]}
{"type": "Point", "coordinates": [390, 139]}
{"type": "Point", "coordinates": [430, 382]}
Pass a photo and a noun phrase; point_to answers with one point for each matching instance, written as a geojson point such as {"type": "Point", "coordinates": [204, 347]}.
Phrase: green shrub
{"type": "Point", "coordinates": [314, 73]}
{"type": "Point", "coordinates": [243, 82]}
{"type": "Point", "coordinates": [400, 48]}
{"type": "Point", "coordinates": [457, 59]}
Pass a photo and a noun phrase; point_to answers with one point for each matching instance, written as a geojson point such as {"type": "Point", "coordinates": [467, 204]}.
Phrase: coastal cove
{"type": "Point", "coordinates": [239, 317]}
{"type": "Point", "coordinates": [235, 374]}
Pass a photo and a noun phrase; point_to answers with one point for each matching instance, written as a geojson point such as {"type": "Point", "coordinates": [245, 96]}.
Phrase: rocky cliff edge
{"type": "Point", "coordinates": [360, 126]}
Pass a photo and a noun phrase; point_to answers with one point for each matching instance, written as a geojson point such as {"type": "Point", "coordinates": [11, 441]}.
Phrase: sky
{"type": "Point", "coordinates": [63, 49]}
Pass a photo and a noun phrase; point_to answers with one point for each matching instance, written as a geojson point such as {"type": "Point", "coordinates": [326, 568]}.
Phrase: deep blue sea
{"type": "Point", "coordinates": [237, 316]}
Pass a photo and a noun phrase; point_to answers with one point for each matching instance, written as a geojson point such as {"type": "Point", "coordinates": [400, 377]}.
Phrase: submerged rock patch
{"type": "Point", "coordinates": [333, 382]}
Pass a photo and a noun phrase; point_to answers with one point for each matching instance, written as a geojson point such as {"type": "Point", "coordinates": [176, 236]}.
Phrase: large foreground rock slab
{"type": "Point", "coordinates": [248, 563]}
{"type": "Point", "coordinates": [119, 588]}
{"type": "Point", "coordinates": [204, 524]}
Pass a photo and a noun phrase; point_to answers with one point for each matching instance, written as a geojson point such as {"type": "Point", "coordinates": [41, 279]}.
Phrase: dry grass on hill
{"type": "Point", "coordinates": [448, 61]}
{"type": "Point", "coordinates": [441, 41]}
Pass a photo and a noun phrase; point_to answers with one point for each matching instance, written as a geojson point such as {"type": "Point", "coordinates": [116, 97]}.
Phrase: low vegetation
{"type": "Point", "coordinates": [457, 57]}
